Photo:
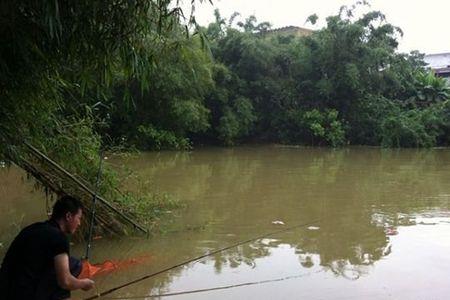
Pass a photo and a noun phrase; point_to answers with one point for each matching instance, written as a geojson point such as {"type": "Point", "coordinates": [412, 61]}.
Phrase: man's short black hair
{"type": "Point", "coordinates": [64, 205]}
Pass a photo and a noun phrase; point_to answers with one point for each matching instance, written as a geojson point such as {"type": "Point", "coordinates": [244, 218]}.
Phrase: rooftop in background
{"type": "Point", "coordinates": [437, 61]}
{"type": "Point", "coordinates": [291, 30]}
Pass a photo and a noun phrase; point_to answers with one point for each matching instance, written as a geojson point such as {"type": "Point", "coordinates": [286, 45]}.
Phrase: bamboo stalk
{"type": "Point", "coordinates": [44, 178]}
{"type": "Point", "coordinates": [83, 186]}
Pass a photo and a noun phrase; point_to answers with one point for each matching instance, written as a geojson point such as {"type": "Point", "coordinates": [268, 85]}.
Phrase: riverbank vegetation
{"type": "Point", "coordinates": [79, 76]}
{"type": "Point", "coordinates": [60, 64]}
{"type": "Point", "coordinates": [344, 84]}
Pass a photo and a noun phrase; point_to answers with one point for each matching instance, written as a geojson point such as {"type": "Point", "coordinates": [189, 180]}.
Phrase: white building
{"type": "Point", "coordinates": [439, 64]}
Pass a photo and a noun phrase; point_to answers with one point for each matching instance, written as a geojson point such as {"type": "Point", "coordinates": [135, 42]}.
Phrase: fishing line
{"type": "Point", "coordinates": [199, 258]}
{"type": "Point", "coordinates": [218, 288]}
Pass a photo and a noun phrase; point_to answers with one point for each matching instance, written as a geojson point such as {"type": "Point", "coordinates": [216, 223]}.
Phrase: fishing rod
{"type": "Point", "coordinates": [104, 293]}
{"type": "Point", "coordinates": [218, 288]}
{"type": "Point", "coordinates": [94, 201]}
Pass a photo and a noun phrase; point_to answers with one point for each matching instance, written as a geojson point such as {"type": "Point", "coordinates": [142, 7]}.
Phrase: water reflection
{"type": "Point", "coordinates": [365, 209]}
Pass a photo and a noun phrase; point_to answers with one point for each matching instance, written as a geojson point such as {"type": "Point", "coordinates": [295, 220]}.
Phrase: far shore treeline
{"type": "Point", "coordinates": [79, 75]}
{"type": "Point", "coordinates": [344, 84]}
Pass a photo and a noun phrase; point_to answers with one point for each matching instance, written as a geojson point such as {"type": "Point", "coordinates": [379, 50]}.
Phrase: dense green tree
{"type": "Point", "coordinates": [59, 62]}
{"type": "Point", "coordinates": [348, 73]}
{"type": "Point", "coordinates": [430, 89]}
{"type": "Point", "coordinates": [59, 58]}
{"type": "Point", "coordinates": [171, 109]}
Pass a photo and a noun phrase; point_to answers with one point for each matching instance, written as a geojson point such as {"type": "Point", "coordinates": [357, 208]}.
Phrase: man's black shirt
{"type": "Point", "coordinates": [31, 257]}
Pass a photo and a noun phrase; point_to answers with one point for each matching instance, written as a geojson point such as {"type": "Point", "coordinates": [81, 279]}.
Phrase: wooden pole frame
{"type": "Point", "coordinates": [84, 187]}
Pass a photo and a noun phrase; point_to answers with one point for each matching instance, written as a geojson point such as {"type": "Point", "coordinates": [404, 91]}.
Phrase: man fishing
{"type": "Point", "coordinates": [38, 265]}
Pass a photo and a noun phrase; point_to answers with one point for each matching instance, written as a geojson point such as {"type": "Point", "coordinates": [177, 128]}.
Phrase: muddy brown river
{"type": "Point", "coordinates": [366, 223]}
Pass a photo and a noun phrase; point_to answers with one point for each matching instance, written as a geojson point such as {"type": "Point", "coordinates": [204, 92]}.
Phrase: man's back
{"type": "Point", "coordinates": [30, 257]}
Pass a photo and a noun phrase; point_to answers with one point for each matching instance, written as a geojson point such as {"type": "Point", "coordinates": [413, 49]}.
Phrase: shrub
{"type": "Point", "coordinates": [313, 127]}
{"type": "Point", "coordinates": [412, 128]}
{"type": "Point", "coordinates": [151, 138]}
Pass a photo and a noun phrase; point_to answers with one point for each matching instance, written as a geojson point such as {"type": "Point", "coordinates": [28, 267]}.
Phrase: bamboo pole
{"type": "Point", "coordinates": [84, 187]}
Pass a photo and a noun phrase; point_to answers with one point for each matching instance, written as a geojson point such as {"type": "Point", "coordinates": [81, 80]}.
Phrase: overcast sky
{"type": "Point", "coordinates": [426, 24]}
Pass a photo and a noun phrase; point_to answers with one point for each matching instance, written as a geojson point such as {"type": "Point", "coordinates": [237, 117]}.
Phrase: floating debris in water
{"type": "Point", "coordinates": [277, 222]}
{"type": "Point", "coordinates": [105, 158]}
{"type": "Point", "coordinates": [268, 242]}
{"type": "Point", "coordinates": [2, 164]}
{"type": "Point", "coordinates": [426, 223]}
{"type": "Point", "coordinates": [313, 228]}
{"type": "Point", "coordinates": [391, 231]}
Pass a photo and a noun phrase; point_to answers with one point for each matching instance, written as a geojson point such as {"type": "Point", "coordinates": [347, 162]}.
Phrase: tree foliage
{"type": "Point", "coordinates": [60, 62]}
{"type": "Point", "coordinates": [134, 67]}
{"type": "Point", "coordinates": [345, 83]}
{"type": "Point", "coordinates": [58, 58]}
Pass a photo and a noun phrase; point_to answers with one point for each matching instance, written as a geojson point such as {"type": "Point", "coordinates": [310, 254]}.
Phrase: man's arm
{"type": "Point", "coordinates": [65, 279]}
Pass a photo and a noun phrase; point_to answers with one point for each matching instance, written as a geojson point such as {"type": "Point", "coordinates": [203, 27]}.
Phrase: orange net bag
{"type": "Point", "coordinates": [89, 270]}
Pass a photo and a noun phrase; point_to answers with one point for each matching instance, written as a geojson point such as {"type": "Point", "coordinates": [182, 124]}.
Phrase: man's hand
{"type": "Point", "coordinates": [87, 284]}
{"type": "Point", "coordinates": [65, 279]}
